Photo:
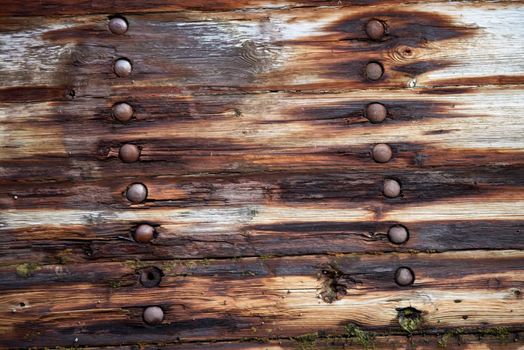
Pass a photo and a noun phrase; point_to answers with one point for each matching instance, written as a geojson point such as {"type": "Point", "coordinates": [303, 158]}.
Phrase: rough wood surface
{"type": "Point", "coordinates": [297, 49]}
{"type": "Point", "coordinates": [255, 151]}
{"type": "Point", "coordinates": [448, 341]}
{"type": "Point", "coordinates": [253, 297]}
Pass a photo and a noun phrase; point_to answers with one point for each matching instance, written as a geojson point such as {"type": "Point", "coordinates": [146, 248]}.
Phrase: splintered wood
{"type": "Point", "coordinates": [269, 218]}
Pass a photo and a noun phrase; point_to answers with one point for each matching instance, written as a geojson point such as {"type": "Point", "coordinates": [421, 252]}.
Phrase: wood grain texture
{"type": "Point", "coordinates": [271, 297]}
{"type": "Point", "coordinates": [71, 7]}
{"type": "Point", "coordinates": [299, 49]}
{"type": "Point", "coordinates": [271, 225]}
{"type": "Point", "coordinates": [235, 176]}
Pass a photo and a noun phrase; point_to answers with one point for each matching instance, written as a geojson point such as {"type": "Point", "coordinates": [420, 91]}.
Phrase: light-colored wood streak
{"type": "Point", "coordinates": [207, 220]}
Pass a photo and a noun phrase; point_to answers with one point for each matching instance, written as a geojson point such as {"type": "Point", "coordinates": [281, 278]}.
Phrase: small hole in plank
{"type": "Point", "coordinates": [150, 277]}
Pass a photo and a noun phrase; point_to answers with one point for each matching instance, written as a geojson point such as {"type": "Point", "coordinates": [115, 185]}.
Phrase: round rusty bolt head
{"type": "Point", "coordinates": [136, 193]}
{"type": "Point", "coordinates": [144, 233]}
{"type": "Point", "coordinates": [404, 276]}
{"type": "Point", "coordinates": [150, 277]}
{"type": "Point", "coordinates": [375, 29]}
{"type": "Point", "coordinates": [382, 153]}
{"type": "Point", "coordinates": [374, 71]}
{"type": "Point", "coordinates": [376, 112]}
{"type": "Point", "coordinates": [398, 234]}
{"type": "Point", "coordinates": [391, 188]}
{"type": "Point", "coordinates": [153, 315]}
{"type": "Point", "coordinates": [118, 25]}
{"type": "Point", "coordinates": [129, 153]}
{"type": "Point", "coordinates": [122, 67]}
{"type": "Point", "coordinates": [122, 112]}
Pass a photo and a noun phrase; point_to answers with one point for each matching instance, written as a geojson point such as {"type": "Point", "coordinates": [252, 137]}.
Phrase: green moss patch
{"type": "Point", "coordinates": [409, 319]}
{"type": "Point", "coordinates": [361, 337]}
{"type": "Point", "coordinates": [501, 333]}
{"type": "Point", "coordinates": [306, 341]}
{"type": "Point", "coordinates": [26, 270]}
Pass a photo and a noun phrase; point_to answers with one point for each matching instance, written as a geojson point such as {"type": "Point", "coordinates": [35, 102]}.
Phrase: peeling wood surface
{"type": "Point", "coordinates": [268, 207]}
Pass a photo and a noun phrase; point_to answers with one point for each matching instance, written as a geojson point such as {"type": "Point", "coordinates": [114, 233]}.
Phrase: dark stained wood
{"type": "Point", "coordinates": [271, 228]}
{"type": "Point", "coordinates": [450, 340]}
{"type": "Point", "coordinates": [72, 7]}
{"type": "Point", "coordinates": [104, 242]}
{"type": "Point", "coordinates": [338, 190]}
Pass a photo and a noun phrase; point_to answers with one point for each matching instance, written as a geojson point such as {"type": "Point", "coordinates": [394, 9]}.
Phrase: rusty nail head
{"type": "Point", "coordinates": [118, 25]}
{"type": "Point", "coordinates": [129, 153]}
{"type": "Point", "coordinates": [374, 71]}
{"type": "Point", "coordinates": [136, 193]}
{"type": "Point", "coordinates": [382, 153]}
{"type": "Point", "coordinates": [398, 234]}
{"type": "Point", "coordinates": [376, 112]}
{"type": "Point", "coordinates": [122, 112]}
{"type": "Point", "coordinates": [153, 315]}
{"type": "Point", "coordinates": [404, 276]}
{"type": "Point", "coordinates": [391, 188]}
{"type": "Point", "coordinates": [375, 29]}
{"type": "Point", "coordinates": [144, 233]}
{"type": "Point", "coordinates": [122, 67]}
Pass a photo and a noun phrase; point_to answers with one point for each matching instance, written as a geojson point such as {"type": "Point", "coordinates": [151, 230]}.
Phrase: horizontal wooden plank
{"type": "Point", "coordinates": [236, 211]}
{"type": "Point", "coordinates": [227, 234]}
{"type": "Point", "coordinates": [432, 44]}
{"type": "Point", "coordinates": [341, 190]}
{"type": "Point", "coordinates": [101, 304]}
{"type": "Point", "coordinates": [319, 130]}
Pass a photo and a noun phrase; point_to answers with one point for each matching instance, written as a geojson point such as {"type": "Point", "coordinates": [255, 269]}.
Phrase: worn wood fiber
{"type": "Point", "coordinates": [271, 225]}
{"type": "Point", "coordinates": [253, 297]}
{"type": "Point", "coordinates": [72, 7]}
{"type": "Point", "coordinates": [292, 49]}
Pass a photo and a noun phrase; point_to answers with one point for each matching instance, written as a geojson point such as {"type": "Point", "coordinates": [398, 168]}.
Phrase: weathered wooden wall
{"type": "Point", "coordinates": [270, 218]}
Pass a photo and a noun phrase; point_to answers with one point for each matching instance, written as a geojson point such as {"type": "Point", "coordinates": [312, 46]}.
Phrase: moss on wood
{"type": "Point", "coordinates": [26, 270]}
